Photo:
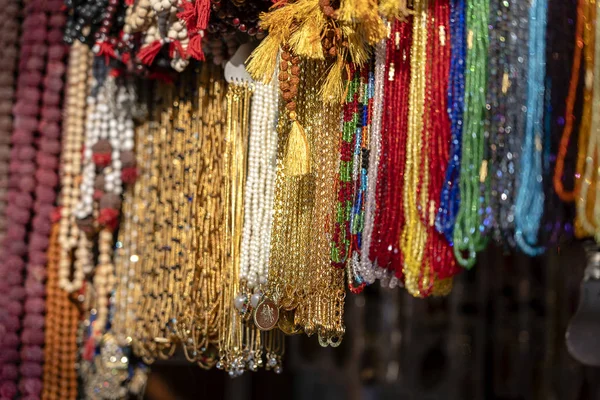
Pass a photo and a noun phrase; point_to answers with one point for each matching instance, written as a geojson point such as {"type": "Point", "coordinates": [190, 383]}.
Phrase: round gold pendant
{"type": "Point", "coordinates": [266, 315]}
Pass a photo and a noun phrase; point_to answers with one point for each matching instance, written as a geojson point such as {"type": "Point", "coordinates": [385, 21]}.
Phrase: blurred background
{"type": "Point", "coordinates": [500, 335]}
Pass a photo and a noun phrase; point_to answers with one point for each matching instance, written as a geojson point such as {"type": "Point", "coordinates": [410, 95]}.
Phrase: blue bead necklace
{"type": "Point", "coordinates": [450, 196]}
{"type": "Point", "coordinates": [530, 195]}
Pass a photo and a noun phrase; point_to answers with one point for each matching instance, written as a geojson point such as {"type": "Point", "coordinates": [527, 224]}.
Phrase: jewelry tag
{"type": "Point", "coordinates": [235, 68]}
{"type": "Point", "coordinates": [266, 315]}
{"type": "Point", "coordinates": [584, 328]}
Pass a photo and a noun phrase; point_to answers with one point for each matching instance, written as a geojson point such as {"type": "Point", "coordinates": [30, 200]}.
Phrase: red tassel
{"type": "Point", "coordinates": [189, 16]}
{"type": "Point", "coordinates": [125, 58]}
{"type": "Point", "coordinates": [149, 53]}
{"type": "Point", "coordinates": [203, 13]}
{"type": "Point", "coordinates": [194, 49]}
{"type": "Point", "coordinates": [105, 49]}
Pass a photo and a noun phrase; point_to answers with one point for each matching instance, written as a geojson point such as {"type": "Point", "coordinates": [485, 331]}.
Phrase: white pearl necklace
{"type": "Point", "coordinates": [259, 191]}
{"type": "Point", "coordinates": [368, 270]}
{"type": "Point", "coordinates": [114, 124]}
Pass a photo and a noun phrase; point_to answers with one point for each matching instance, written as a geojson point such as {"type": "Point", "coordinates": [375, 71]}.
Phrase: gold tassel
{"type": "Point", "coordinates": [263, 60]}
{"type": "Point", "coordinates": [280, 22]}
{"type": "Point", "coordinates": [332, 90]}
{"type": "Point", "coordinates": [394, 9]}
{"type": "Point", "coordinates": [306, 41]}
{"type": "Point", "coordinates": [297, 152]}
{"type": "Point", "coordinates": [349, 10]}
{"type": "Point", "coordinates": [358, 48]}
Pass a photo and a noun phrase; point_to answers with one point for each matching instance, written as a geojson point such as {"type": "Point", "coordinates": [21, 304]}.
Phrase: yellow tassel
{"type": "Point", "coordinates": [281, 23]}
{"type": "Point", "coordinates": [349, 10]}
{"type": "Point", "coordinates": [332, 90]}
{"type": "Point", "coordinates": [394, 9]}
{"type": "Point", "coordinates": [373, 28]}
{"type": "Point", "coordinates": [306, 41]}
{"type": "Point", "coordinates": [358, 47]}
{"type": "Point", "coordinates": [297, 153]}
{"type": "Point", "coordinates": [262, 62]}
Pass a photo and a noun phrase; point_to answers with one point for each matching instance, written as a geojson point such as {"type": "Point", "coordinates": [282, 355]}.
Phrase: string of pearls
{"type": "Point", "coordinates": [109, 134]}
{"type": "Point", "coordinates": [259, 192]}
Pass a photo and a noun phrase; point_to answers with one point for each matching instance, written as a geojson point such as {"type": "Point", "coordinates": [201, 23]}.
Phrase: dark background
{"type": "Point", "coordinates": [500, 335]}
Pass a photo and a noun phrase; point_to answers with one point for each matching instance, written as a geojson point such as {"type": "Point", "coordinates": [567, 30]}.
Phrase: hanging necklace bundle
{"type": "Point", "coordinates": [46, 176]}
{"type": "Point", "coordinates": [530, 195]}
{"type": "Point", "coordinates": [350, 140]}
{"type": "Point", "coordinates": [60, 378]}
{"type": "Point", "coordinates": [71, 238]}
{"type": "Point", "coordinates": [589, 198]}
{"type": "Point", "coordinates": [450, 195]}
{"type": "Point", "coordinates": [558, 216]}
{"type": "Point", "coordinates": [360, 172]}
{"type": "Point", "coordinates": [582, 42]}
{"type": "Point", "coordinates": [438, 257]}
{"type": "Point", "coordinates": [506, 98]}
{"type": "Point", "coordinates": [60, 346]}
{"type": "Point", "coordinates": [369, 271]}
{"type": "Point", "coordinates": [378, 140]}
{"type": "Point", "coordinates": [8, 40]}
{"type": "Point", "coordinates": [472, 220]}
{"type": "Point", "coordinates": [300, 274]}
{"type": "Point", "coordinates": [258, 194]}
{"type": "Point", "coordinates": [414, 234]}
{"type": "Point", "coordinates": [37, 115]}
{"type": "Point", "coordinates": [385, 242]}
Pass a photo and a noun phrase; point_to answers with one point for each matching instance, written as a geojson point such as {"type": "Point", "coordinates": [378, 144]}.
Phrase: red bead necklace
{"type": "Point", "coordinates": [389, 214]}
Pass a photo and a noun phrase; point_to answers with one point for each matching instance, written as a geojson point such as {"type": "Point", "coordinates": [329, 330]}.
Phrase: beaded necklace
{"type": "Point", "coordinates": [450, 195]}
{"type": "Point", "coordinates": [34, 162]}
{"type": "Point", "coordinates": [506, 119]}
{"type": "Point", "coordinates": [414, 234]}
{"type": "Point", "coordinates": [10, 293]}
{"type": "Point", "coordinates": [258, 200]}
{"type": "Point", "coordinates": [436, 137]}
{"type": "Point", "coordinates": [350, 129]}
{"type": "Point", "coordinates": [9, 29]}
{"type": "Point", "coordinates": [369, 270]}
{"type": "Point", "coordinates": [472, 219]}
{"type": "Point", "coordinates": [60, 344]}
{"type": "Point", "coordinates": [69, 235]}
{"type": "Point", "coordinates": [530, 195]}
{"type": "Point", "coordinates": [561, 31]}
{"type": "Point", "coordinates": [586, 120]}
{"type": "Point", "coordinates": [582, 41]}
{"type": "Point", "coordinates": [589, 200]}
{"type": "Point", "coordinates": [360, 174]}
{"type": "Point", "coordinates": [389, 212]}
